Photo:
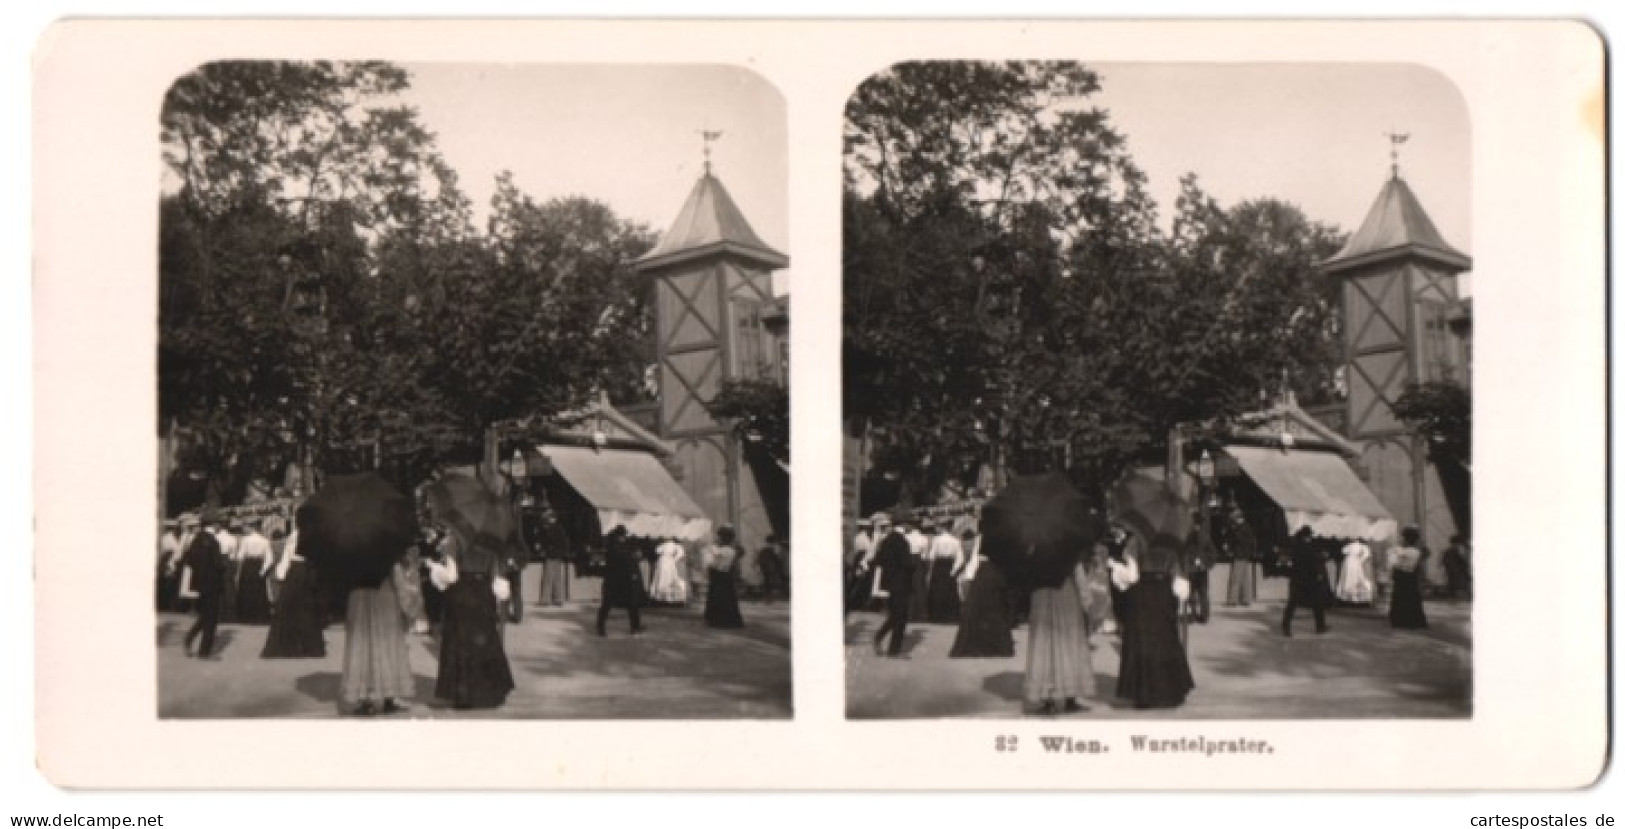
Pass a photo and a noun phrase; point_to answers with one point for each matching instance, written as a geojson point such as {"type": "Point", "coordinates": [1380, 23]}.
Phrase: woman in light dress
{"type": "Point", "coordinates": [668, 585]}
{"type": "Point", "coordinates": [1354, 582]}
{"type": "Point", "coordinates": [1060, 672]}
{"type": "Point", "coordinates": [377, 677]}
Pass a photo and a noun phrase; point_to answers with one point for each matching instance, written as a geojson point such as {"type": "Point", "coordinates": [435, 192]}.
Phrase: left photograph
{"type": "Point", "coordinates": [473, 393]}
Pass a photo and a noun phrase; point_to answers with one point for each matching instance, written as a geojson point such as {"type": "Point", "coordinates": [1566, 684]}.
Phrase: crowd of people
{"type": "Point", "coordinates": [1145, 594]}
{"type": "Point", "coordinates": [461, 590]}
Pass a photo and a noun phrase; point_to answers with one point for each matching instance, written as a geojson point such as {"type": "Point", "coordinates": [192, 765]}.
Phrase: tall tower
{"type": "Point", "coordinates": [1399, 294]}
{"type": "Point", "coordinates": [711, 279]}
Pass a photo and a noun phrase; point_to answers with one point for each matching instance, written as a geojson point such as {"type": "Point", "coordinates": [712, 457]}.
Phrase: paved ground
{"type": "Point", "coordinates": [1244, 669]}
{"type": "Point", "coordinates": [679, 669]}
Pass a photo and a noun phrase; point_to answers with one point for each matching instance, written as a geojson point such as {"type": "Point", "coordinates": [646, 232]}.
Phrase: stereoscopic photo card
{"type": "Point", "coordinates": [412, 393]}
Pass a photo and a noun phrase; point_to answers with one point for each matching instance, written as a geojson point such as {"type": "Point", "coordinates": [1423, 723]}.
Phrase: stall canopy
{"type": "Point", "coordinates": [1317, 490]}
{"type": "Point", "coordinates": [630, 489]}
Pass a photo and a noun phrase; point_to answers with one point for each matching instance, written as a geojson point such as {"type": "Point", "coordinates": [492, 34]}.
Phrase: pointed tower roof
{"type": "Point", "coordinates": [1396, 227]}
{"type": "Point", "coordinates": [710, 224]}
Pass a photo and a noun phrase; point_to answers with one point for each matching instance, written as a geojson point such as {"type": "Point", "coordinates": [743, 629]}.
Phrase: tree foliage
{"type": "Point", "coordinates": [1010, 302]}
{"type": "Point", "coordinates": [322, 284]}
{"type": "Point", "coordinates": [303, 137]}
{"type": "Point", "coordinates": [760, 413]}
{"type": "Point", "coordinates": [532, 320]}
{"type": "Point", "coordinates": [1442, 413]}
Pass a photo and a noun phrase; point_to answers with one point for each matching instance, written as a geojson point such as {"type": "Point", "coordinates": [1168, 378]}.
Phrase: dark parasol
{"type": "Point", "coordinates": [484, 520]}
{"type": "Point", "coordinates": [1039, 528]}
{"type": "Point", "coordinates": [354, 529]}
{"type": "Point", "coordinates": [1145, 505]}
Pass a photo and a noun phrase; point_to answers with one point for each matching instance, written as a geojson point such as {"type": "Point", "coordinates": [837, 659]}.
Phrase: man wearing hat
{"type": "Point", "coordinates": [1309, 586]}
{"type": "Point", "coordinates": [189, 529]}
{"type": "Point", "coordinates": [897, 564]}
{"type": "Point", "coordinates": [203, 578]}
{"type": "Point", "coordinates": [868, 570]}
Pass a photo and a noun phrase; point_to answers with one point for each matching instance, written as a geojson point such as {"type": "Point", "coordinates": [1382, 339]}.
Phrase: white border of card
{"type": "Point", "coordinates": [1540, 706]}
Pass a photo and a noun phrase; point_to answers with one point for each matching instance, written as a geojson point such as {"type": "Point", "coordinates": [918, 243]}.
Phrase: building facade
{"type": "Point", "coordinates": [716, 319]}
{"type": "Point", "coordinates": [1401, 317]}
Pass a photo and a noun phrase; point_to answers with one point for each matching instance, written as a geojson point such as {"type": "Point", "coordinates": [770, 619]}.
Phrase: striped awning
{"type": "Point", "coordinates": [632, 490]}
{"type": "Point", "coordinates": [1317, 490]}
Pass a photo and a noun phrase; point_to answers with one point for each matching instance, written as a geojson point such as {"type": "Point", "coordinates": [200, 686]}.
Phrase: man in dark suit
{"type": "Point", "coordinates": [1309, 585]}
{"type": "Point", "coordinates": [205, 577]}
{"type": "Point", "coordinates": [1198, 558]}
{"type": "Point", "coordinates": [896, 561]}
{"type": "Point", "coordinates": [623, 581]}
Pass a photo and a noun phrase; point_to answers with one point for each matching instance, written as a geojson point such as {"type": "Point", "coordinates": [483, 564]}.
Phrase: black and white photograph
{"type": "Point", "coordinates": [473, 393]}
{"type": "Point", "coordinates": [1158, 392]}
{"type": "Point", "coordinates": [414, 403]}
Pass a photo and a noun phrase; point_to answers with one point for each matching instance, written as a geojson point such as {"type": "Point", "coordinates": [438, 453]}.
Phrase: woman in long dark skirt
{"type": "Point", "coordinates": [474, 671]}
{"type": "Point", "coordinates": [434, 601]}
{"type": "Point", "coordinates": [228, 591]}
{"type": "Point", "coordinates": [985, 624]}
{"type": "Point", "coordinates": [919, 603]}
{"type": "Point", "coordinates": [942, 601]}
{"type": "Point", "coordinates": [296, 628]}
{"type": "Point", "coordinates": [1154, 672]}
{"type": "Point", "coordinates": [722, 597]}
{"type": "Point", "coordinates": [253, 562]}
{"type": "Point", "coordinates": [1117, 543]}
{"type": "Point", "coordinates": [1405, 564]}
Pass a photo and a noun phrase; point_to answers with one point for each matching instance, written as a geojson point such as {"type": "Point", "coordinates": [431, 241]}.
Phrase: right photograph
{"type": "Point", "coordinates": [1157, 392]}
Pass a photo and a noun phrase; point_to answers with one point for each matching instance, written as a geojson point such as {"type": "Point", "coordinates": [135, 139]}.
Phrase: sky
{"type": "Point", "coordinates": [1310, 134]}
{"type": "Point", "coordinates": [628, 136]}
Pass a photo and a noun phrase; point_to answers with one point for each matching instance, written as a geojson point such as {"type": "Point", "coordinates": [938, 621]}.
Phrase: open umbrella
{"type": "Point", "coordinates": [1162, 518]}
{"type": "Point", "coordinates": [481, 517]}
{"type": "Point", "coordinates": [354, 529]}
{"type": "Point", "coordinates": [1039, 528]}
{"type": "Point", "coordinates": [1145, 505]}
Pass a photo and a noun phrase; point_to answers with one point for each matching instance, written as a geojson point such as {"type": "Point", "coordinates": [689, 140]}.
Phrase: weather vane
{"type": "Point", "coordinates": [708, 136]}
{"type": "Point", "coordinates": [1394, 140]}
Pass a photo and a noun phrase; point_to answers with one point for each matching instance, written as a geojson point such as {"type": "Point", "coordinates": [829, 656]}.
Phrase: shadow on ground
{"type": "Point", "coordinates": [676, 648]}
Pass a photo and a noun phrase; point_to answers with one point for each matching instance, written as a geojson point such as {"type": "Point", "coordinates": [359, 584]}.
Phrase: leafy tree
{"type": "Point", "coordinates": [225, 349]}
{"type": "Point", "coordinates": [324, 290]}
{"type": "Point", "coordinates": [976, 195]}
{"type": "Point", "coordinates": [1010, 302]}
{"type": "Point", "coordinates": [1255, 301]}
{"type": "Point", "coordinates": [302, 137]}
{"type": "Point", "coordinates": [530, 322]}
{"type": "Point", "coordinates": [760, 412]}
{"type": "Point", "coordinates": [1442, 413]}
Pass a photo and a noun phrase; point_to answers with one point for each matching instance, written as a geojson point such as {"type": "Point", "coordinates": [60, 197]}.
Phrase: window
{"type": "Point", "coordinates": [1438, 359]}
